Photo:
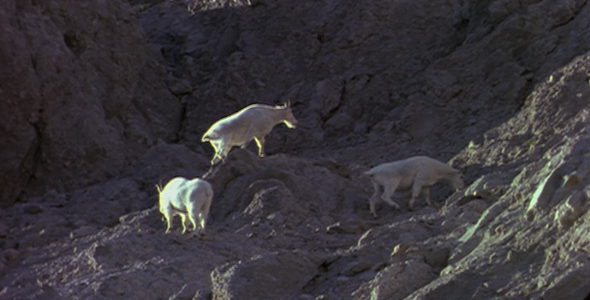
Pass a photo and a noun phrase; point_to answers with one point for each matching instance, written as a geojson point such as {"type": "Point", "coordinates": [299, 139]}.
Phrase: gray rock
{"type": "Point", "coordinates": [269, 276]}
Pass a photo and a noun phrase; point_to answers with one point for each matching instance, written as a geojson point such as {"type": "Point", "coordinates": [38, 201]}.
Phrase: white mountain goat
{"type": "Point", "coordinates": [253, 122]}
{"type": "Point", "coordinates": [186, 198]}
{"type": "Point", "coordinates": [416, 173]}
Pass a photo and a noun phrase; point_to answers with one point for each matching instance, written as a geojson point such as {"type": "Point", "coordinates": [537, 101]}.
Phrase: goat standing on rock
{"type": "Point", "coordinates": [416, 173]}
{"type": "Point", "coordinates": [188, 199]}
{"type": "Point", "coordinates": [253, 122]}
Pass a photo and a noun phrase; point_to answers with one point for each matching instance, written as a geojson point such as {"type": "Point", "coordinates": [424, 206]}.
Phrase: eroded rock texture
{"type": "Point", "coordinates": [100, 101]}
{"type": "Point", "coordinates": [75, 103]}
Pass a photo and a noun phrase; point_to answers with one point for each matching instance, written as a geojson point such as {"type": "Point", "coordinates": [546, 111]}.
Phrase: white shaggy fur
{"type": "Point", "coordinates": [416, 173]}
{"type": "Point", "coordinates": [186, 198]}
{"type": "Point", "coordinates": [253, 122]}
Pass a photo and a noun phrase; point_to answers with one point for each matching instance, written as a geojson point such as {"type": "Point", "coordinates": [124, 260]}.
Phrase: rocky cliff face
{"type": "Point", "coordinates": [81, 95]}
{"type": "Point", "coordinates": [101, 101]}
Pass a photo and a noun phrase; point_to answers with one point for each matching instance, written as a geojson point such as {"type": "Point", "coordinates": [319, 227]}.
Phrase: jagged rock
{"type": "Point", "coordinates": [69, 116]}
{"type": "Point", "coordinates": [396, 281]}
{"type": "Point", "coordinates": [269, 276]}
{"type": "Point", "coordinates": [82, 231]}
{"type": "Point", "coordinates": [347, 226]}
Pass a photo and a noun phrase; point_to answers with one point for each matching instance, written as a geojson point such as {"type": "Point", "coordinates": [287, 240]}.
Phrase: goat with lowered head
{"type": "Point", "coordinates": [190, 199]}
{"type": "Point", "coordinates": [417, 173]}
{"type": "Point", "coordinates": [253, 122]}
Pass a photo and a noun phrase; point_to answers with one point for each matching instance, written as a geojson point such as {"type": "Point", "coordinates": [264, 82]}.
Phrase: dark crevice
{"type": "Point", "coordinates": [183, 120]}
{"type": "Point", "coordinates": [74, 43]}
{"type": "Point", "coordinates": [33, 160]}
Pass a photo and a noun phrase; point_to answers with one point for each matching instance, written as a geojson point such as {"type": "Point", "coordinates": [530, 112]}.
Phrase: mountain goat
{"type": "Point", "coordinates": [186, 198]}
{"type": "Point", "coordinates": [253, 122]}
{"type": "Point", "coordinates": [416, 173]}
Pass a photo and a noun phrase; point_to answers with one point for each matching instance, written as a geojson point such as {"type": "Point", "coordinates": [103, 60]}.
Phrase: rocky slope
{"type": "Point", "coordinates": [101, 101]}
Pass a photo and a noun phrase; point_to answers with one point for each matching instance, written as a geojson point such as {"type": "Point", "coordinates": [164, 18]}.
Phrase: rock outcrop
{"type": "Point", "coordinates": [81, 95]}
